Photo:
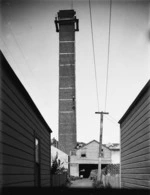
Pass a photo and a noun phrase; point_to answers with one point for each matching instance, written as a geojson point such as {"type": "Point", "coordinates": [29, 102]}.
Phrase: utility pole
{"type": "Point", "coordinates": [100, 144]}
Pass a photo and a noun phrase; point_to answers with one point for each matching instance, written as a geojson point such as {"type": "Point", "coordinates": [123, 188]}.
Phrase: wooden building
{"type": "Point", "coordinates": [84, 159]}
{"type": "Point", "coordinates": [62, 157]}
{"type": "Point", "coordinates": [24, 135]}
{"type": "Point", "coordinates": [135, 142]}
{"type": "Point", "coordinates": [115, 152]}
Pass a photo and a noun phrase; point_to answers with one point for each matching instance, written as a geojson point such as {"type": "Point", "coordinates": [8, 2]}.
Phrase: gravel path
{"type": "Point", "coordinates": [82, 183]}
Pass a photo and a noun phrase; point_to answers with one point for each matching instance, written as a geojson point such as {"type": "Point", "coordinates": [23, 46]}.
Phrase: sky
{"type": "Point", "coordinates": [29, 41]}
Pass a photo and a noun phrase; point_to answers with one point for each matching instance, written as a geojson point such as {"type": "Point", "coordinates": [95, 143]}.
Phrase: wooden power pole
{"type": "Point", "coordinates": [100, 145]}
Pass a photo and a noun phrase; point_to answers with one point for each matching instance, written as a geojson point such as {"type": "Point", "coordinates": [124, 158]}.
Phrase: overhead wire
{"type": "Point", "coordinates": [93, 47]}
{"type": "Point", "coordinates": [108, 53]}
{"type": "Point", "coordinates": [109, 117]}
{"type": "Point", "coordinates": [71, 4]}
{"type": "Point", "coordinates": [18, 44]}
{"type": "Point", "coordinates": [112, 120]}
{"type": "Point", "coordinates": [20, 49]}
{"type": "Point", "coordinates": [10, 54]}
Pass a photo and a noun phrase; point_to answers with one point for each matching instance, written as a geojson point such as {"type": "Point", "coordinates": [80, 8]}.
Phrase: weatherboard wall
{"type": "Point", "coordinates": [135, 142]}
{"type": "Point", "coordinates": [20, 124]}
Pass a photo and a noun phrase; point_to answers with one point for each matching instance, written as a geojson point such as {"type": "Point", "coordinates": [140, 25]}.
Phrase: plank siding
{"type": "Point", "coordinates": [12, 170]}
{"type": "Point", "coordinates": [135, 116]}
{"type": "Point", "coordinates": [133, 186]}
{"type": "Point", "coordinates": [135, 142]}
{"type": "Point", "coordinates": [20, 184]}
{"type": "Point", "coordinates": [20, 117]}
{"type": "Point", "coordinates": [15, 126]}
{"type": "Point", "coordinates": [140, 138]}
{"type": "Point", "coordinates": [137, 103]}
{"type": "Point", "coordinates": [17, 179]}
{"type": "Point", "coordinates": [138, 176]}
{"type": "Point", "coordinates": [10, 131]}
{"type": "Point", "coordinates": [12, 160]}
{"type": "Point", "coordinates": [137, 126]}
{"type": "Point", "coordinates": [136, 159]}
{"type": "Point", "coordinates": [144, 183]}
{"type": "Point", "coordinates": [139, 149]}
{"type": "Point", "coordinates": [24, 107]}
{"type": "Point", "coordinates": [1, 159]}
{"type": "Point", "coordinates": [20, 123]}
{"type": "Point", "coordinates": [144, 123]}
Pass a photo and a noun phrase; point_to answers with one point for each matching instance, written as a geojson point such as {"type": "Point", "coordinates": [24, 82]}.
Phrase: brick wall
{"type": "Point", "coordinates": [67, 93]}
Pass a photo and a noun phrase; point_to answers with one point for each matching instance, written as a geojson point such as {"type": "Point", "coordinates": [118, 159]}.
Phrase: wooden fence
{"type": "Point", "coordinates": [59, 180]}
{"type": "Point", "coordinates": [111, 181]}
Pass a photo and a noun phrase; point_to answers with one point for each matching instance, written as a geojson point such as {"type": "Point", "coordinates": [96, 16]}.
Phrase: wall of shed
{"type": "Point", "coordinates": [92, 152]}
{"type": "Point", "coordinates": [115, 156]}
{"type": "Point", "coordinates": [19, 124]}
{"type": "Point", "coordinates": [135, 145]}
{"type": "Point", "coordinates": [74, 169]}
{"type": "Point", "coordinates": [1, 181]}
{"type": "Point", "coordinates": [63, 157]}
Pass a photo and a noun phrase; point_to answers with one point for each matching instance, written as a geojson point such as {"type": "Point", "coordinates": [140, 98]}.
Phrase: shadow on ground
{"type": "Point", "coordinates": [71, 191]}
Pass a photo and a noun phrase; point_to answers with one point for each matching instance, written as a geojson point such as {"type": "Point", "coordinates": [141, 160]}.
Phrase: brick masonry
{"type": "Point", "coordinates": [67, 92]}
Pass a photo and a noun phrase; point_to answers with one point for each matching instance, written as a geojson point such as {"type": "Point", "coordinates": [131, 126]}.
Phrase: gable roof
{"type": "Point", "coordinates": [4, 65]}
{"type": "Point", "coordinates": [113, 146]}
{"type": "Point", "coordinates": [135, 102]}
{"type": "Point", "coordinates": [90, 143]}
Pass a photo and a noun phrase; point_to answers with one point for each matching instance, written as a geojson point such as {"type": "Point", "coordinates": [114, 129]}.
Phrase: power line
{"type": "Point", "coordinates": [10, 53]}
{"type": "Point", "coordinates": [20, 49]}
{"type": "Point", "coordinates": [71, 4]}
{"type": "Point", "coordinates": [112, 120]}
{"type": "Point", "coordinates": [108, 52]}
{"type": "Point", "coordinates": [94, 54]}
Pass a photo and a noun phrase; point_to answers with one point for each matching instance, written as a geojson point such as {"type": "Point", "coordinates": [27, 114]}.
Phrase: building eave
{"type": "Point", "coordinates": [142, 92]}
{"type": "Point", "coordinates": [7, 68]}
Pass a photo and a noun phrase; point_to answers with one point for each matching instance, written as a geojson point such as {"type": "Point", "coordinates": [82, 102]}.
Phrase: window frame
{"type": "Point", "coordinates": [37, 150]}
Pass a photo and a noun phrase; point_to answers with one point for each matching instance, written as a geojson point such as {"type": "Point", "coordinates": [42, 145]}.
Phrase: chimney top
{"type": "Point", "coordinates": [62, 14]}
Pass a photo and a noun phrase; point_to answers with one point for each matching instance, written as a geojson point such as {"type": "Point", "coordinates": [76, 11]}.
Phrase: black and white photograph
{"type": "Point", "coordinates": [74, 96]}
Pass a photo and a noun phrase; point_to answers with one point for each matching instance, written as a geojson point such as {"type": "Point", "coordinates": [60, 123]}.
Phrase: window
{"type": "Point", "coordinates": [73, 153]}
{"type": "Point", "coordinates": [102, 153]}
{"type": "Point", "coordinates": [37, 153]}
{"type": "Point", "coordinates": [83, 153]}
{"type": "Point", "coordinates": [37, 162]}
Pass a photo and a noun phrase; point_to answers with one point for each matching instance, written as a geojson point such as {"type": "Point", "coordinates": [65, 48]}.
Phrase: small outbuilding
{"type": "Point", "coordinates": [25, 158]}
{"type": "Point", "coordinates": [115, 152]}
{"type": "Point", "coordinates": [62, 157]}
{"type": "Point", "coordinates": [85, 158]}
{"type": "Point", "coordinates": [135, 142]}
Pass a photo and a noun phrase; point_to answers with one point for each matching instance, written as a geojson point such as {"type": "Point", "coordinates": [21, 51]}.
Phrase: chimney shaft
{"type": "Point", "coordinates": [66, 24]}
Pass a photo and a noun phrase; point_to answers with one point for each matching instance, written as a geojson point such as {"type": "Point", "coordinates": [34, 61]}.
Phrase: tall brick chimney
{"type": "Point", "coordinates": [66, 24]}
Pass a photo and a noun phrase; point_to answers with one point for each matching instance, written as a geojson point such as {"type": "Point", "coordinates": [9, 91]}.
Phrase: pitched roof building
{"type": "Point", "coordinates": [86, 158]}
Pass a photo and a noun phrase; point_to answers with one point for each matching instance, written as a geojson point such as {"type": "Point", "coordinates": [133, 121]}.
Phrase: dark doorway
{"type": "Point", "coordinates": [85, 169]}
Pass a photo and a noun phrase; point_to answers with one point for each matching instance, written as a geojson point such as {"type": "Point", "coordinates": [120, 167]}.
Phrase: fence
{"type": "Point", "coordinates": [59, 180]}
{"type": "Point", "coordinates": [112, 181]}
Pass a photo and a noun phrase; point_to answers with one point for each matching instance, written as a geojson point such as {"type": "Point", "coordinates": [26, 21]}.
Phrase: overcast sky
{"type": "Point", "coordinates": [30, 43]}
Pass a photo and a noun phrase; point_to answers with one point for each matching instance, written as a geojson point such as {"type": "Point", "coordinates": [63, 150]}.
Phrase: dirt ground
{"type": "Point", "coordinates": [82, 183]}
